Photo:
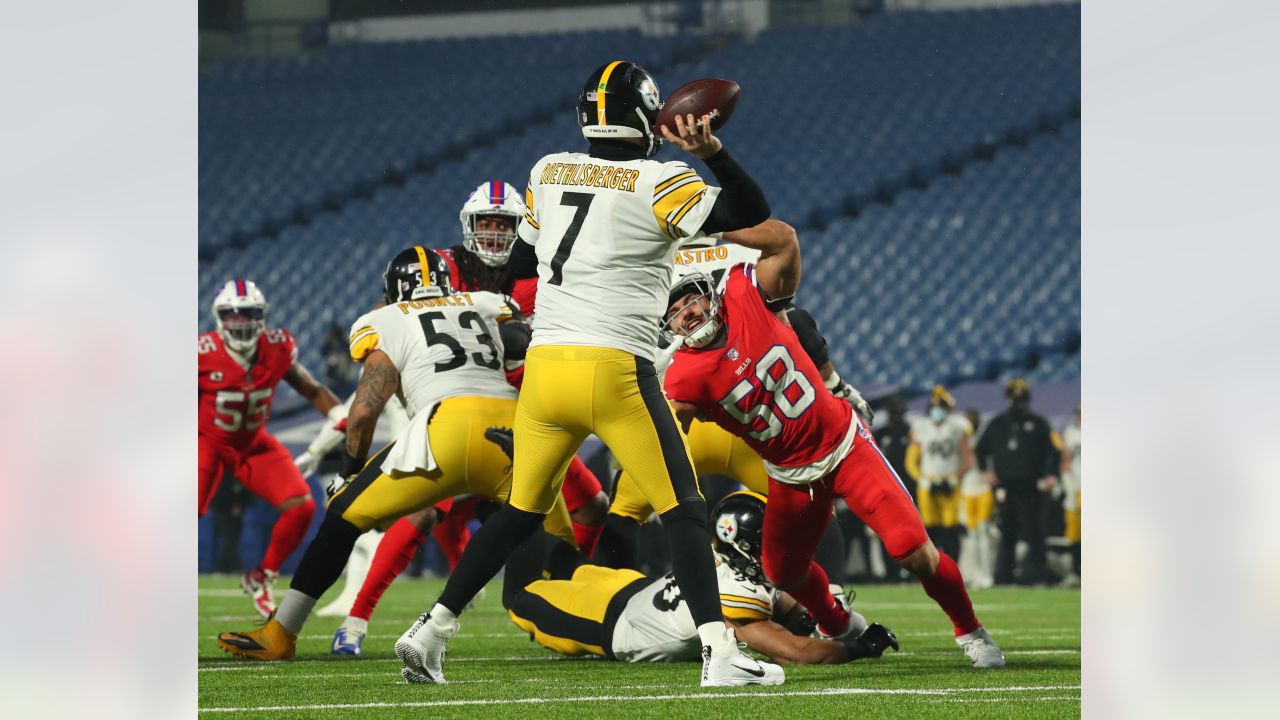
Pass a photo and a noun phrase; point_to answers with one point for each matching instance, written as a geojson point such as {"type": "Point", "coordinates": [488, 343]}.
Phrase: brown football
{"type": "Point", "coordinates": [700, 97]}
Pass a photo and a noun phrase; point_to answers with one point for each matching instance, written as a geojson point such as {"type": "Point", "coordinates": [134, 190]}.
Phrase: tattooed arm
{"type": "Point", "coordinates": [378, 383]}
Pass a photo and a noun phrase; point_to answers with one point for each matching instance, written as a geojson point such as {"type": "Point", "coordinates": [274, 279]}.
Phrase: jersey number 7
{"type": "Point", "coordinates": [580, 202]}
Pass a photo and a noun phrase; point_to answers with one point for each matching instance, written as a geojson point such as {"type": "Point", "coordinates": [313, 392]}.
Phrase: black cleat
{"type": "Point", "coordinates": [503, 438]}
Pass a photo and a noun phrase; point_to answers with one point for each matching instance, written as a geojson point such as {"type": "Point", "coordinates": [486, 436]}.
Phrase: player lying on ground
{"type": "Point", "coordinates": [586, 609]}
{"type": "Point", "coordinates": [444, 352]}
{"type": "Point", "coordinates": [742, 367]}
{"type": "Point", "coordinates": [239, 366]}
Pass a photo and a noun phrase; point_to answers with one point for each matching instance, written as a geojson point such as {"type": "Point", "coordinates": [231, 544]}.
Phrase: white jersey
{"type": "Point", "coordinates": [442, 347]}
{"type": "Point", "coordinates": [940, 445]}
{"type": "Point", "coordinates": [605, 233]}
{"type": "Point", "coordinates": [656, 625]}
{"type": "Point", "coordinates": [713, 260]}
{"type": "Point", "coordinates": [1071, 478]}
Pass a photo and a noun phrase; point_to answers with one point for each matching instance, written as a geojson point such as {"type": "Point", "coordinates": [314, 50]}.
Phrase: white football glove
{"type": "Point", "coordinates": [307, 463]}
{"type": "Point", "coordinates": [850, 394]}
{"type": "Point", "coordinates": [335, 482]}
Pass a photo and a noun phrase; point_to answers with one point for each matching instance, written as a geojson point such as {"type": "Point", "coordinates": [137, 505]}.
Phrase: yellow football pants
{"type": "Point", "coordinates": [938, 510]}
{"type": "Point", "coordinates": [715, 451]}
{"type": "Point", "coordinates": [978, 509]}
{"type": "Point", "coordinates": [570, 392]}
{"type": "Point", "coordinates": [572, 616]}
{"type": "Point", "coordinates": [466, 463]}
{"type": "Point", "coordinates": [1072, 532]}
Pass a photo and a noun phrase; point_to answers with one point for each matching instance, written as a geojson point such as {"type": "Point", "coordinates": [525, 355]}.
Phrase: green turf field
{"type": "Point", "coordinates": [494, 671]}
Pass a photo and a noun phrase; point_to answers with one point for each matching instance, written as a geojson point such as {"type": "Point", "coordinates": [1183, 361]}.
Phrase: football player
{"type": "Point", "coordinates": [443, 352]}
{"type": "Point", "coordinates": [587, 609]}
{"type": "Point", "coordinates": [938, 456]}
{"type": "Point", "coordinates": [1070, 473]}
{"type": "Point", "coordinates": [239, 365]}
{"type": "Point", "coordinates": [978, 557]}
{"type": "Point", "coordinates": [600, 233]}
{"type": "Point", "coordinates": [716, 451]}
{"type": "Point", "coordinates": [744, 368]}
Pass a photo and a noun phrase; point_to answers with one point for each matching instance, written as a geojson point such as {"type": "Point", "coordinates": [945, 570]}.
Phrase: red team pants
{"type": "Point", "coordinates": [265, 468]}
{"type": "Point", "coordinates": [797, 515]}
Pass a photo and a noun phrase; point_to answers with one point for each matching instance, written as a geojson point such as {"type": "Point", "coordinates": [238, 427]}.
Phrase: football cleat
{"type": "Point", "coordinates": [873, 642]}
{"type": "Point", "coordinates": [421, 649]}
{"type": "Point", "coordinates": [269, 642]}
{"type": "Point", "coordinates": [347, 641]}
{"type": "Point", "coordinates": [857, 623]}
{"type": "Point", "coordinates": [981, 649]}
{"type": "Point", "coordinates": [738, 669]}
{"type": "Point", "coordinates": [503, 438]}
{"type": "Point", "coordinates": [257, 585]}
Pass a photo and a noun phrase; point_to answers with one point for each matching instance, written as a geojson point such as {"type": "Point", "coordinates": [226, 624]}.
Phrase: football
{"type": "Point", "coordinates": [712, 96]}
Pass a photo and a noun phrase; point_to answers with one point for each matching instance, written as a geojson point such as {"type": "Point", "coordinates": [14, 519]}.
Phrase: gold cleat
{"type": "Point", "coordinates": [269, 642]}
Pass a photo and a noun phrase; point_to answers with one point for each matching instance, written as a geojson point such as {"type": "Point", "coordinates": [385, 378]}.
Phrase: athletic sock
{"type": "Point", "coordinates": [946, 587]}
{"type": "Point", "coordinates": [587, 536]}
{"type": "Point", "coordinates": [486, 554]}
{"type": "Point", "coordinates": [394, 554]}
{"type": "Point", "coordinates": [293, 611]}
{"type": "Point", "coordinates": [442, 618]}
{"type": "Point", "coordinates": [719, 637]}
{"type": "Point", "coordinates": [814, 593]}
{"type": "Point", "coordinates": [356, 624]}
{"type": "Point", "coordinates": [287, 534]}
{"type": "Point", "coordinates": [691, 560]}
{"type": "Point", "coordinates": [326, 556]}
{"type": "Point", "coordinates": [830, 554]}
{"type": "Point", "coordinates": [452, 534]}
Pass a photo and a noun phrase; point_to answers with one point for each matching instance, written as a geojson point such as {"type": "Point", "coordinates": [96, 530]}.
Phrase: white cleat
{"type": "Point", "coordinates": [738, 668]}
{"type": "Point", "coordinates": [421, 649]}
{"type": "Point", "coordinates": [981, 649]}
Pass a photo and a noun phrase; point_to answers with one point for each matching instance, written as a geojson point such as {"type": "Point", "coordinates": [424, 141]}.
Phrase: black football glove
{"type": "Point", "coordinates": [872, 642]}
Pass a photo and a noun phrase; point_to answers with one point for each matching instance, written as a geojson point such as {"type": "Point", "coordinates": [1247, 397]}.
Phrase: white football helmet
{"type": "Point", "coordinates": [240, 311]}
{"type": "Point", "coordinates": [690, 280]}
{"type": "Point", "coordinates": [492, 199]}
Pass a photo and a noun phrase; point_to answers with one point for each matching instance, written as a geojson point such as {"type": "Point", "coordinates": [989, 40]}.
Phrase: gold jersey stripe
{"type": "Point", "coordinates": [529, 219]}
{"type": "Point", "coordinates": [662, 195]}
{"type": "Point", "coordinates": [366, 328]}
{"type": "Point", "coordinates": [688, 206]}
{"type": "Point", "coordinates": [600, 91]}
{"type": "Point", "coordinates": [672, 202]}
{"type": "Point", "coordinates": [528, 199]}
{"type": "Point", "coordinates": [670, 181]}
{"type": "Point", "coordinates": [737, 613]}
{"type": "Point", "coordinates": [363, 345]}
{"type": "Point", "coordinates": [724, 597]}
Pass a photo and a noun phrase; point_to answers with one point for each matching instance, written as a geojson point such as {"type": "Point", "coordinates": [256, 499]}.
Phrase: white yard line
{"type": "Point", "coordinates": [648, 698]}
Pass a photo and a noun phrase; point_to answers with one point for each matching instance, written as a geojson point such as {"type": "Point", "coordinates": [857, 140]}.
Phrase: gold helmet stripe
{"type": "Point", "coordinates": [422, 263]}
{"type": "Point", "coordinates": [600, 93]}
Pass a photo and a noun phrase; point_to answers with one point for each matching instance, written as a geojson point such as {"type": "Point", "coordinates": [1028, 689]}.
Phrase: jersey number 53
{"type": "Point", "coordinates": [785, 390]}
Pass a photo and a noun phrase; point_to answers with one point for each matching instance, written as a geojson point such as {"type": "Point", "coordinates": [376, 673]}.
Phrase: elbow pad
{"type": "Point", "coordinates": [807, 330]}
{"type": "Point", "coordinates": [523, 262]}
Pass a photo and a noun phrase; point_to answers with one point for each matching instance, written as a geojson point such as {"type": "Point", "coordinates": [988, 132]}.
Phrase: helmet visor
{"type": "Point", "coordinates": [241, 323]}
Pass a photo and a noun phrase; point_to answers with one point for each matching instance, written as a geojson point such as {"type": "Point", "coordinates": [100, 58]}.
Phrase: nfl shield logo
{"type": "Point", "coordinates": [215, 376]}
{"type": "Point", "coordinates": [733, 353]}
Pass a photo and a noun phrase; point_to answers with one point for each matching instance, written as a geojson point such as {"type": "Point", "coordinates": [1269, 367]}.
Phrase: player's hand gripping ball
{"type": "Point", "coordinates": [708, 96]}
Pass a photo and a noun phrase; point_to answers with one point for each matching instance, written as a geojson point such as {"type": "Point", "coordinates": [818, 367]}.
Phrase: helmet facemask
{"type": "Point", "coordinates": [694, 289]}
{"type": "Point", "coordinates": [492, 246]}
{"type": "Point", "coordinates": [240, 326]}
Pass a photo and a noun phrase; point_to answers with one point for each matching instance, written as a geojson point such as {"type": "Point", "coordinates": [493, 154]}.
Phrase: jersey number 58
{"type": "Point", "coordinates": [776, 374]}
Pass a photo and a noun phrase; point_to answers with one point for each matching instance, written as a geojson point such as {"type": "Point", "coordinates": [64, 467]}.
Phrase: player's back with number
{"type": "Point", "coordinates": [604, 232]}
{"type": "Point", "coordinates": [235, 402]}
{"type": "Point", "coordinates": [761, 385]}
{"type": "Point", "coordinates": [442, 347]}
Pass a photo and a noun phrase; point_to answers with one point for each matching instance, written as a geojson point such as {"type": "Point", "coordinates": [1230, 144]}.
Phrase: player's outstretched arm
{"type": "Point", "coordinates": [778, 269]}
{"type": "Point", "coordinates": [741, 202]}
{"type": "Point", "coordinates": [770, 638]}
{"type": "Point", "coordinates": [316, 392]}
{"type": "Point", "coordinates": [378, 383]}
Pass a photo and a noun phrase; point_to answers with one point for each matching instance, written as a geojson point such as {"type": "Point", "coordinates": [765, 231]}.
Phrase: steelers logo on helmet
{"type": "Point", "coordinates": [416, 273]}
{"type": "Point", "coordinates": [727, 528]}
{"type": "Point", "coordinates": [620, 100]}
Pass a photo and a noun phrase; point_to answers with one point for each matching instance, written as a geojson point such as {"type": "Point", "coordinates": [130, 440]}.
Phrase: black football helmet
{"type": "Point", "coordinates": [620, 100]}
{"type": "Point", "coordinates": [738, 520]}
{"type": "Point", "coordinates": [416, 273]}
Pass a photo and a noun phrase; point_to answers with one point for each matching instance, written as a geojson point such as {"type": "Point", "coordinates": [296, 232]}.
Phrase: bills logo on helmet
{"type": "Point", "coordinates": [726, 528]}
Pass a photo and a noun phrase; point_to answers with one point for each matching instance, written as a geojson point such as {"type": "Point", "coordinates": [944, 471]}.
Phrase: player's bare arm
{"type": "Point", "coordinates": [316, 392]}
{"type": "Point", "coordinates": [771, 639]}
{"type": "Point", "coordinates": [378, 383]}
{"type": "Point", "coordinates": [778, 269]}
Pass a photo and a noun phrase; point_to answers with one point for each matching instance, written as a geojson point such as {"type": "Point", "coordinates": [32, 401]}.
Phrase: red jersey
{"type": "Point", "coordinates": [234, 402]}
{"type": "Point", "coordinates": [524, 291]}
{"type": "Point", "coordinates": [760, 384]}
